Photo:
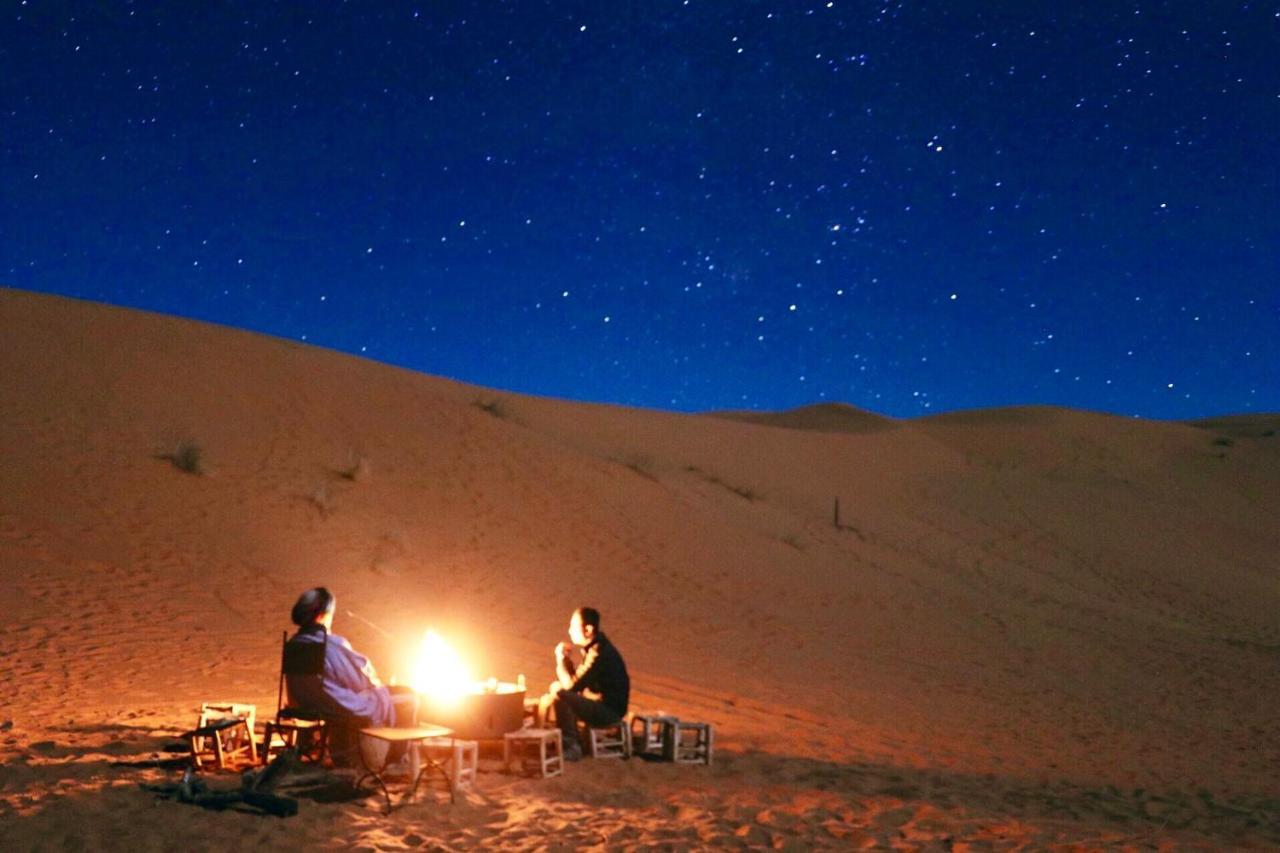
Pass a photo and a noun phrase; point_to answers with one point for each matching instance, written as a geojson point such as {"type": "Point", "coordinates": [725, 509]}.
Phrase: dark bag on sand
{"type": "Point", "coordinates": [252, 792]}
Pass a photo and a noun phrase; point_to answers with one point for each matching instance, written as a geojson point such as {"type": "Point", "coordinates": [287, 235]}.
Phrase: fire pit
{"type": "Point", "coordinates": [485, 712]}
{"type": "Point", "coordinates": [448, 696]}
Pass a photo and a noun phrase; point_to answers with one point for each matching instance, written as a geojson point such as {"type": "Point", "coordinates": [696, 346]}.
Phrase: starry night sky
{"type": "Point", "coordinates": [909, 206]}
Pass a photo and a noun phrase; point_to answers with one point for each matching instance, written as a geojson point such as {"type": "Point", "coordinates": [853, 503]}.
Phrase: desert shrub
{"type": "Point", "coordinates": [358, 469]}
{"type": "Point", "coordinates": [188, 457]}
{"type": "Point", "coordinates": [1223, 441]}
{"type": "Point", "coordinates": [495, 406]}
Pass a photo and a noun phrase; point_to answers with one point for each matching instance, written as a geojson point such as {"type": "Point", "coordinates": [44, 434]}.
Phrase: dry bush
{"type": "Point", "coordinates": [358, 469]}
{"type": "Point", "coordinates": [188, 457]}
{"type": "Point", "coordinates": [495, 406]}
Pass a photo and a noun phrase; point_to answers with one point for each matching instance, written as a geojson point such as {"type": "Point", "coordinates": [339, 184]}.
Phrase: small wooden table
{"type": "Point", "coordinates": [411, 738]}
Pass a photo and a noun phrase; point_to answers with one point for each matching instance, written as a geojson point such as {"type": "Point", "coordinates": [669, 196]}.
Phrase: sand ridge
{"type": "Point", "coordinates": [1033, 626]}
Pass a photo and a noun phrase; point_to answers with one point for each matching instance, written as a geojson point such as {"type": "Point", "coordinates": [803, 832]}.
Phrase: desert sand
{"type": "Point", "coordinates": [1033, 627]}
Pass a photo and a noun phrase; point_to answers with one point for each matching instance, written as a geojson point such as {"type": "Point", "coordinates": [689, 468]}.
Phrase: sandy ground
{"type": "Point", "coordinates": [1032, 628]}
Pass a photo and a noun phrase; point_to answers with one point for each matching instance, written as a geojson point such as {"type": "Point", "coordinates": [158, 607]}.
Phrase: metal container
{"type": "Point", "coordinates": [482, 714]}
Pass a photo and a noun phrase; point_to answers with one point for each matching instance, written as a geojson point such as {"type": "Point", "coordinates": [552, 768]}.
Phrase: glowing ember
{"type": "Point", "coordinates": [440, 672]}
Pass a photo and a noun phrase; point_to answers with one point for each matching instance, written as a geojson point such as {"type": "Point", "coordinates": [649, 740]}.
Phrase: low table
{"type": "Point", "coordinates": [411, 738]}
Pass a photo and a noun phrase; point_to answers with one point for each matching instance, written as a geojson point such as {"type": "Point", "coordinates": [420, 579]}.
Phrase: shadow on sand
{"type": "Point", "coordinates": [750, 797]}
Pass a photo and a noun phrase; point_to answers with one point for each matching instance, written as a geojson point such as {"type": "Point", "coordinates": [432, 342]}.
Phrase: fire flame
{"type": "Point", "coordinates": [439, 671]}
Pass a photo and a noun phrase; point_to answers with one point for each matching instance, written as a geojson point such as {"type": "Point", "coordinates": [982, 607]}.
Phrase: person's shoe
{"type": "Point", "coordinates": [573, 752]}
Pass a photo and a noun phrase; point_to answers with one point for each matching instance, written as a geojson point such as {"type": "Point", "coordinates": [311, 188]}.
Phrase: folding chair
{"type": "Point", "coordinates": [304, 730]}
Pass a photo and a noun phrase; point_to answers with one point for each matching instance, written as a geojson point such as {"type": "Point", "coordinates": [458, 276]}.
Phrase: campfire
{"type": "Point", "coordinates": [439, 672]}
{"type": "Point", "coordinates": [450, 696]}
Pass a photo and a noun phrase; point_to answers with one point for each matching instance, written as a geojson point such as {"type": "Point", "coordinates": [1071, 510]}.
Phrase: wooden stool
{"type": "Point", "coordinates": [224, 735]}
{"type": "Point", "coordinates": [688, 743]}
{"type": "Point", "coordinates": [308, 737]}
{"type": "Point", "coordinates": [649, 732]}
{"type": "Point", "coordinates": [461, 756]}
{"type": "Point", "coordinates": [609, 741]}
{"type": "Point", "coordinates": [521, 745]}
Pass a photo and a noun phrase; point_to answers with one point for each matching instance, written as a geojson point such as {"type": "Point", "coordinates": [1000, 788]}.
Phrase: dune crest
{"type": "Point", "coordinates": [822, 417]}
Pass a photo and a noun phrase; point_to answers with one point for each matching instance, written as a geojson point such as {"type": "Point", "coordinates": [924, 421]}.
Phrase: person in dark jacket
{"type": "Point", "coordinates": [601, 672]}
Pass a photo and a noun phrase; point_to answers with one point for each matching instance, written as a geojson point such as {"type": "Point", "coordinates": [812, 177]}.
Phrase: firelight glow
{"type": "Point", "coordinates": [439, 671]}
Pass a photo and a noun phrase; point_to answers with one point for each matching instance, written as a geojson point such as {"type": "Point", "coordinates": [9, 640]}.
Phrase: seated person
{"type": "Point", "coordinates": [349, 685]}
{"type": "Point", "coordinates": [601, 671]}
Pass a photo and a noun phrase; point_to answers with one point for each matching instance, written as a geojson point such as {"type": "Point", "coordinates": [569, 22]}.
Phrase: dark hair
{"type": "Point", "coordinates": [589, 616]}
{"type": "Point", "coordinates": [311, 605]}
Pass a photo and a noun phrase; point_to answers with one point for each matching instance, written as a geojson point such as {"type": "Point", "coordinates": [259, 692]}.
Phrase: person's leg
{"type": "Point", "coordinates": [571, 707]}
{"type": "Point", "coordinates": [593, 712]}
{"type": "Point", "coordinates": [344, 739]}
{"type": "Point", "coordinates": [545, 704]}
{"type": "Point", "coordinates": [567, 720]}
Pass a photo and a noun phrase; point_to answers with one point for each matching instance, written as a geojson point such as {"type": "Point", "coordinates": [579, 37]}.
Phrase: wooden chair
{"type": "Point", "coordinates": [223, 736]}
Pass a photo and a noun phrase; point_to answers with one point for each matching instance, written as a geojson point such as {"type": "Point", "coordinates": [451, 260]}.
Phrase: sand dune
{"type": "Point", "coordinates": [1240, 426]}
{"type": "Point", "coordinates": [824, 417]}
{"type": "Point", "coordinates": [1032, 626]}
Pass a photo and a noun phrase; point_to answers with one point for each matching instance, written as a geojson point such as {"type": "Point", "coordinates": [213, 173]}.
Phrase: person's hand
{"type": "Point", "coordinates": [562, 649]}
